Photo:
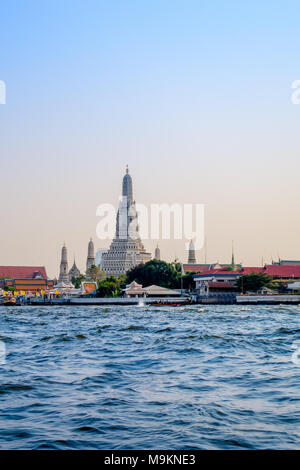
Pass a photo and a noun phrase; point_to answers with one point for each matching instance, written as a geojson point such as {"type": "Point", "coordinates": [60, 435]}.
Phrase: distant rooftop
{"type": "Point", "coordinates": [23, 272]}
{"type": "Point", "coordinates": [196, 268]}
{"type": "Point", "coordinates": [281, 270]}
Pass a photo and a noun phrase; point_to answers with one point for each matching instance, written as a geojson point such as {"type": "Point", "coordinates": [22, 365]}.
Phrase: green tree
{"type": "Point", "coordinates": [188, 280]}
{"type": "Point", "coordinates": [155, 272]}
{"type": "Point", "coordinates": [176, 265]}
{"type": "Point", "coordinates": [111, 286]}
{"type": "Point", "coordinates": [95, 274]}
{"type": "Point", "coordinates": [229, 268]}
{"type": "Point", "coordinates": [76, 281]}
{"type": "Point", "coordinates": [122, 281]}
{"type": "Point", "coordinates": [108, 288]}
{"type": "Point", "coordinates": [254, 281]}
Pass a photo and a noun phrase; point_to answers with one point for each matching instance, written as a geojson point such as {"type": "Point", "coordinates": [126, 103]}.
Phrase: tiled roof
{"type": "Point", "coordinates": [195, 268]}
{"type": "Point", "coordinates": [283, 270]}
{"type": "Point", "coordinates": [158, 290]}
{"type": "Point", "coordinates": [134, 286]}
{"type": "Point", "coordinates": [253, 269]}
{"type": "Point", "coordinates": [22, 272]}
{"type": "Point", "coordinates": [276, 270]}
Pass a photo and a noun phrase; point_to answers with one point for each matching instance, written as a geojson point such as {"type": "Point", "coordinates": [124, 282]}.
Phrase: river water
{"type": "Point", "coordinates": [215, 377]}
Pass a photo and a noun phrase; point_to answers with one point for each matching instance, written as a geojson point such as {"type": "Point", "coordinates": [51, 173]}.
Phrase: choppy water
{"type": "Point", "coordinates": [217, 377]}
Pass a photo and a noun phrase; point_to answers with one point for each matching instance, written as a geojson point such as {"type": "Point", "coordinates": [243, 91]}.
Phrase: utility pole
{"type": "Point", "coordinates": [181, 279]}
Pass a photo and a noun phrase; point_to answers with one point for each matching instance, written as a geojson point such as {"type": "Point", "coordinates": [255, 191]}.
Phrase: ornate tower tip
{"type": "Point", "coordinates": [127, 170]}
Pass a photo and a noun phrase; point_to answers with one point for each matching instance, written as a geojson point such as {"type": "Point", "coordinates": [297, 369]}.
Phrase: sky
{"type": "Point", "coordinates": [195, 96]}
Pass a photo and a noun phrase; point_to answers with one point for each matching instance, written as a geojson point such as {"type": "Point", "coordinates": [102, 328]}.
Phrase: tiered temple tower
{"type": "Point", "coordinates": [90, 261]}
{"type": "Point", "coordinates": [126, 250]}
{"type": "Point", "coordinates": [63, 272]}
{"type": "Point", "coordinates": [192, 253]}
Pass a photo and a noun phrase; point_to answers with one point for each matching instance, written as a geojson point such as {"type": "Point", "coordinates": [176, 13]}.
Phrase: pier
{"type": "Point", "coordinates": [268, 299]}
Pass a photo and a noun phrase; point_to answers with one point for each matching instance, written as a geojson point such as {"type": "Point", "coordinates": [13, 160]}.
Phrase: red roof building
{"type": "Point", "coordinates": [198, 268]}
{"type": "Point", "coordinates": [249, 270]}
{"type": "Point", "coordinates": [23, 272]}
{"type": "Point", "coordinates": [195, 268]}
{"type": "Point", "coordinates": [221, 276]}
{"type": "Point", "coordinates": [283, 271]}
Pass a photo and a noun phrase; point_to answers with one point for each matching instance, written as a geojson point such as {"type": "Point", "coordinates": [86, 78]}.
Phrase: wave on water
{"type": "Point", "coordinates": [135, 328]}
{"type": "Point", "coordinates": [212, 377]}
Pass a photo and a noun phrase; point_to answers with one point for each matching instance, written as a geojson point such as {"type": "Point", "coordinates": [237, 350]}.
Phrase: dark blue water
{"type": "Point", "coordinates": [219, 377]}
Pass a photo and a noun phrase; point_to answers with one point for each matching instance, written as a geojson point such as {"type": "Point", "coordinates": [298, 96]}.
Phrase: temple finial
{"type": "Point", "coordinates": [127, 170]}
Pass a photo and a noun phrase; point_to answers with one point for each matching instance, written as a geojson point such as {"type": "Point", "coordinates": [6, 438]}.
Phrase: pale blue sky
{"type": "Point", "coordinates": [193, 95]}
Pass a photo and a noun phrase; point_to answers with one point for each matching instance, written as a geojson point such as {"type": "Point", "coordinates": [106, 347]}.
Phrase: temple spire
{"type": "Point", "coordinates": [192, 254]}
{"type": "Point", "coordinates": [74, 271]}
{"type": "Point", "coordinates": [127, 187]}
{"type": "Point", "coordinates": [157, 253]}
{"type": "Point", "coordinates": [63, 270]}
{"type": "Point", "coordinates": [90, 261]}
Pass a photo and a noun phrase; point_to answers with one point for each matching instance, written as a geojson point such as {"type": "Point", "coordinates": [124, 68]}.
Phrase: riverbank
{"type": "Point", "coordinates": [238, 300]}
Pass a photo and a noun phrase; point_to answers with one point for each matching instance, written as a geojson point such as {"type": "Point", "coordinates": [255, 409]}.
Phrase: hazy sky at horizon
{"type": "Point", "coordinates": [194, 96]}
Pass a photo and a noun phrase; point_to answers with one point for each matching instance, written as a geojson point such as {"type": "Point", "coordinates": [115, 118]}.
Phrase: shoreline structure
{"type": "Point", "coordinates": [181, 301]}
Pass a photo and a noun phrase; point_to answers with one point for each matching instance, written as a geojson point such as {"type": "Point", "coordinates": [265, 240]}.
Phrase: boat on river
{"type": "Point", "coordinates": [9, 302]}
{"type": "Point", "coordinates": [169, 304]}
